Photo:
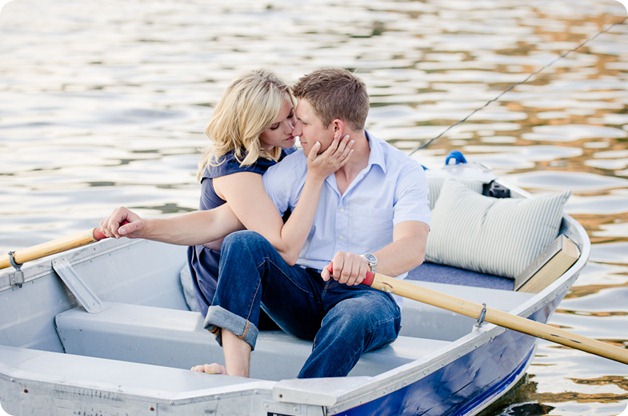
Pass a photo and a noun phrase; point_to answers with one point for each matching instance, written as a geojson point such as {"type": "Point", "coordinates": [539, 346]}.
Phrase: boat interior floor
{"type": "Point", "coordinates": [176, 338]}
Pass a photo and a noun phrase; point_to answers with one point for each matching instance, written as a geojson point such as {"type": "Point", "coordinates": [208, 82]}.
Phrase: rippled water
{"type": "Point", "coordinates": [104, 103]}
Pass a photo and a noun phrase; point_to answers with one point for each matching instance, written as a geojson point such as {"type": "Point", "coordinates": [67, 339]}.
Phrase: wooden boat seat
{"type": "Point", "coordinates": [176, 338]}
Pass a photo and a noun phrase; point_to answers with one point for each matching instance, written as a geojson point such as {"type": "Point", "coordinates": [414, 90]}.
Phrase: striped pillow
{"type": "Point", "coordinates": [489, 235]}
{"type": "Point", "coordinates": [436, 184]}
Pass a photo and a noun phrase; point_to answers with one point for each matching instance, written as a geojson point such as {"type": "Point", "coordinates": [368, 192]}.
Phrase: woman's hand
{"type": "Point", "coordinates": [333, 158]}
{"type": "Point", "coordinates": [122, 223]}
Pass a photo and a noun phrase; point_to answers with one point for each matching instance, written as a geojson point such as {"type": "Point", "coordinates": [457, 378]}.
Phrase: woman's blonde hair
{"type": "Point", "coordinates": [247, 107]}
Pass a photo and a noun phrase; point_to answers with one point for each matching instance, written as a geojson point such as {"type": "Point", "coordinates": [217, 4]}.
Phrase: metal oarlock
{"type": "Point", "coordinates": [16, 278]}
{"type": "Point", "coordinates": [480, 320]}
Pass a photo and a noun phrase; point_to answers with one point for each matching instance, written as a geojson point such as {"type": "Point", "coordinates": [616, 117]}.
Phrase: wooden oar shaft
{"type": "Point", "coordinates": [497, 317]}
{"type": "Point", "coordinates": [52, 247]}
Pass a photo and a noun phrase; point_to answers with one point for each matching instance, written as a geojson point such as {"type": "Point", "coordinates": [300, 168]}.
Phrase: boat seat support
{"type": "Point", "coordinates": [83, 294]}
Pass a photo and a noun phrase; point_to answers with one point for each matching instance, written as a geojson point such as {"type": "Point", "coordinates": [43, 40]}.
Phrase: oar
{"type": "Point", "coordinates": [52, 247]}
{"type": "Point", "coordinates": [495, 316]}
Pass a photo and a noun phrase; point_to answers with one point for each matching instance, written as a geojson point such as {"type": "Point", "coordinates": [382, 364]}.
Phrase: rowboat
{"type": "Point", "coordinates": [108, 328]}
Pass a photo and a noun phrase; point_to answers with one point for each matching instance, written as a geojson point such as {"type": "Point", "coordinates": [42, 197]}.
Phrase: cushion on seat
{"type": "Point", "coordinates": [435, 184]}
{"type": "Point", "coordinates": [490, 235]}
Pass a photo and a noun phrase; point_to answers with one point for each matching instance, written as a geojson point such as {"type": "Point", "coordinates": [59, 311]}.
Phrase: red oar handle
{"type": "Point", "coordinates": [99, 235]}
{"type": "Point", "coordinates": [368, 280]}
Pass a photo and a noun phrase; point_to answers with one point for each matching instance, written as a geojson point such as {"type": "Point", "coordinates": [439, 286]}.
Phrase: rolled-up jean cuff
{"type": "Point", "coordinates": [219, 318]}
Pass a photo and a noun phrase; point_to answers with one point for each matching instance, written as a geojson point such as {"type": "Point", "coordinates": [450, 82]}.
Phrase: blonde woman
{"type": "Point", "coordinates": [250, 130]}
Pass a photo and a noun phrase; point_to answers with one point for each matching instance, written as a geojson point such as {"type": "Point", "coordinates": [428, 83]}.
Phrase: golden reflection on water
{"type": "Point", "coordinates": [596, 223]}
{"type": "Point", "coordinates": [526, 392]}
{"type": "Point", "coordinates": [588, 290]}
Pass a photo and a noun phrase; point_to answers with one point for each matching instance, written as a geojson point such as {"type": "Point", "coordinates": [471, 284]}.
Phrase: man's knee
{"type": "Point", "coordinates": [245, 244]}
{"type": "Point", "coordinates": [242, 237]}
{"type": "Point", "coordinates": [245, 241]}
{"type": "Point", "coordinates": [366, 313]}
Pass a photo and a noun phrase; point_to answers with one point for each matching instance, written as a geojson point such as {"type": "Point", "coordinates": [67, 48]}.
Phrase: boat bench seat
{"type": "Point", "coordinates": [80, 385]}
{"type": "Point", "coordinates": [176, 338]}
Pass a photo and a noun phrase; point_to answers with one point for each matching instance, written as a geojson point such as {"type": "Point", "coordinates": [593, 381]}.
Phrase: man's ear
{"type": "Point", "coordinates": [338, 126]}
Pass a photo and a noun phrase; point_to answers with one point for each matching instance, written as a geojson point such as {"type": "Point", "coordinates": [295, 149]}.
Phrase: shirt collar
{"type": "Point", "coordinates": [376, 156]}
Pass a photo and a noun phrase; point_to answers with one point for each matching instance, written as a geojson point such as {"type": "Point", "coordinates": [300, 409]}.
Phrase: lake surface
{"type": "Point", "coordinates": [104, 104]}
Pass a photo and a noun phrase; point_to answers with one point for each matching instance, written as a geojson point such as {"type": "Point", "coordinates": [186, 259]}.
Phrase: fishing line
{"type": "Point", "coordinates": [511, 87]}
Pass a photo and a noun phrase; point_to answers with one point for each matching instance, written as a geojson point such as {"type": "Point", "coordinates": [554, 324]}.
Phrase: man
{"type": "Point", "coordinates": [373, 215]}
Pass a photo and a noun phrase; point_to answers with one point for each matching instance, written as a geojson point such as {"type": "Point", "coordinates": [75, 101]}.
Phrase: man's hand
{"type": "Point", "coordinates": [347, 268]}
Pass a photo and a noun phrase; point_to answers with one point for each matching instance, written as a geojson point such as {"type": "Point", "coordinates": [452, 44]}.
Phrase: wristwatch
{"type": "Point", "coordinates": [372, 261]}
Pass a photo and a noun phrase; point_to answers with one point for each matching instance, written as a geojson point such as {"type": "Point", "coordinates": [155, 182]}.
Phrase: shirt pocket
{"type": "Point", "coordinates": [370, 228]}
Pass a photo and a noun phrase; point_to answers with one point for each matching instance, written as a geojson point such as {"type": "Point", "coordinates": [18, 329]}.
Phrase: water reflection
{"type": "Point", "coordinates": [105, 103]}
{"type": "Point", "coordinates": [575, 181]}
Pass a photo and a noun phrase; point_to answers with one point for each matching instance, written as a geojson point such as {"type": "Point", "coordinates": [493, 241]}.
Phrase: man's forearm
{"type": "Point", "coordinates": [406, 252]}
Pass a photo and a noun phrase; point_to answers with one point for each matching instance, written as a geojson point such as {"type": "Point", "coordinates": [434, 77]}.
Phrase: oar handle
{"type": "Point", "coordinates": [495, 316]}
{"type": "Point", "coordinates": [48, 248]}
{"type": "Point", "coordinates": [368, 280]}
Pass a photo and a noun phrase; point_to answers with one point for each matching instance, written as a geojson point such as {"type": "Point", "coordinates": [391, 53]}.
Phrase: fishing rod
{"type": "Point", "coordinates": [513, 86]}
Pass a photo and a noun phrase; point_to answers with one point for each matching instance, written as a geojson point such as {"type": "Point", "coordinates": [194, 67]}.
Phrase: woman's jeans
{"type": "Point", "coordinates": [344, 321]}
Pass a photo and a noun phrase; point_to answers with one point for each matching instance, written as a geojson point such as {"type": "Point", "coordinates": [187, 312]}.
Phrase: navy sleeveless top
{"type": "Point", "coordinates": [203, 262]}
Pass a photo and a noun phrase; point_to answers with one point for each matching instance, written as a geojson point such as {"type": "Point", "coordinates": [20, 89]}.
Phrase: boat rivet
{"type": "Point", "coordinates": [25, 390]}
{"type": "Point", "coordinates": [171, 402]}
{"type": "Point", "coordinates": [152, 409]}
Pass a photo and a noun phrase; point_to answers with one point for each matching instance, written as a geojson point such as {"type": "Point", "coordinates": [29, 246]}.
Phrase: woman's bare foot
{"type": "Point", "coordinates": [212, 368]}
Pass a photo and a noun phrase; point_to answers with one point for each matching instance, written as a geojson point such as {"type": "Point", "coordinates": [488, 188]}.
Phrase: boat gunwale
{"type": "Point", "coordinates": [42, 268]}
{"type": "Point", "coordinates": [32, 379]}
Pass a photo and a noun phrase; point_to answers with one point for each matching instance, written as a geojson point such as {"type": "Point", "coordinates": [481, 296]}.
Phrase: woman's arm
{"type": "Point", "coordinates": [245, 194]}
{"type": "Point", "coordinates": [188, 229]}
{"type": "Point", "coordinates": [248, 206]}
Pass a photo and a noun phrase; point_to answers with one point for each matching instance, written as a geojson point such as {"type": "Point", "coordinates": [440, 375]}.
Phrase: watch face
{"type": "Point", "coordinates": [370, 258]}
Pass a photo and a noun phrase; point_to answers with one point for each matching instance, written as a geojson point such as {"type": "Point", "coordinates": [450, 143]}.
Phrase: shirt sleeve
{"type": "Point", "coordinates": [280, 181]}
{"type": "Point", "coordinates": [412, 195]}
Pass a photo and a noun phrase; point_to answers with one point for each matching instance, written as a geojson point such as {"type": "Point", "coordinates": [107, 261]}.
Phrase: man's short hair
{"type": "Point", "coordinates": [335, 94]}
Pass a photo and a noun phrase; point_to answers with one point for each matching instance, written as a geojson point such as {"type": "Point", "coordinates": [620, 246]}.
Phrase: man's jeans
{"type": "Point", "coordinates": [344, 321]}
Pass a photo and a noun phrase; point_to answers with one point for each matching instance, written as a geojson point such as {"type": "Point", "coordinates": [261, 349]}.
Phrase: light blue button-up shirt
{"type": "Point", "coordinates": [391, 189]}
